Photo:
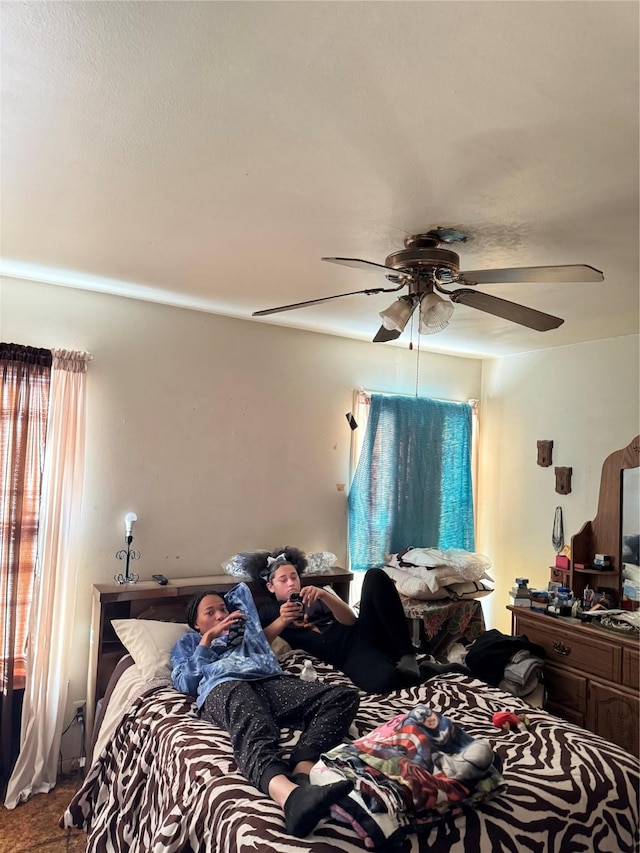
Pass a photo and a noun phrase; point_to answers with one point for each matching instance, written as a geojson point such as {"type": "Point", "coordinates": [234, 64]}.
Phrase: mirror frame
{"type": "Point", "coordinates": [603, 535]}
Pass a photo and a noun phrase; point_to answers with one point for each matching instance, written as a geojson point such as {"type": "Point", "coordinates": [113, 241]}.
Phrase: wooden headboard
{"type": "Point", "coordinates": [148, 600]}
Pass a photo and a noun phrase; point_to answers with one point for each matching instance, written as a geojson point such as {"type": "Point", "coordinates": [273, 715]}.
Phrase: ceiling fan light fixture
{"type": "Point", "coordinates": [397, 315]}
{"type": "Point", "coordinates": [435, 313]}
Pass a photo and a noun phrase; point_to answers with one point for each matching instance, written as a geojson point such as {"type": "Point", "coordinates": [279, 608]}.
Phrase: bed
{"type": "Point", "coordinates": [163, 780]}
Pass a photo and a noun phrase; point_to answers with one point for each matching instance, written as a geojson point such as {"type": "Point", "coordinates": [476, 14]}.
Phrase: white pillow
{"type": "Point", "coordinates": [469, 589]}
{"type": "Point", "coordinates": [150, 644]}
{"type": "Point", "coordinates": [414, 587]}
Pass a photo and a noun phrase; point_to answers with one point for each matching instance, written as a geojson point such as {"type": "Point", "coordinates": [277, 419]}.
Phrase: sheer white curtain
{"type": "Point", "coordinates": [52, 610]}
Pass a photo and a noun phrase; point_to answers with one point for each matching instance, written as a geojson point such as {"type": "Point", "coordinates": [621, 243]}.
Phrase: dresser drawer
{"type": "Point", "coordinates": [588, 654]}
{"type": "Point", "coordinates": [631, 668]}
{"type": "Point", "coordinates": [566, 694]}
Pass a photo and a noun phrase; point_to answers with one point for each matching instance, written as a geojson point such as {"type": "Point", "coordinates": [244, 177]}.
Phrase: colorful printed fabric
{"type": "Point", "coordinates": [412, 771]}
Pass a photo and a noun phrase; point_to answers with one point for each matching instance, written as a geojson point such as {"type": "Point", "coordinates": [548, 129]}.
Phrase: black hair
{"type": "Point", "coordinates": [261, 565]}
{"type": "Point", "coordinates": [192, 606]}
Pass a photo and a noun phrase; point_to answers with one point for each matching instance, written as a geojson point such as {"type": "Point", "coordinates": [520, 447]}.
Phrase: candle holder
{"type": "Point", "coordinates": [128, 553]}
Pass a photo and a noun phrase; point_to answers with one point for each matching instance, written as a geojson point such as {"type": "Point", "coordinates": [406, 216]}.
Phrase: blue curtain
{"type": "Point", "coordinates": [412, 486]}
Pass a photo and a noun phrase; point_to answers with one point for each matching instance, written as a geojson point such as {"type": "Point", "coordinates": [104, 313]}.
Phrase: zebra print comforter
{"type": "Point", "coordinates": [168, 783]}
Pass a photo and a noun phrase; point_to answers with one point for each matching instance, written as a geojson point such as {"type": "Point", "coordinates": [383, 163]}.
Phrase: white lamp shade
{"type": "Point", "coordinates": [396, 316]}
{"type": "Point", "coordinates": [435, 313]}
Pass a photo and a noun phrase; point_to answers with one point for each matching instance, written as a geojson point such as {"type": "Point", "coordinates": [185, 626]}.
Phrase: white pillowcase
{"type": "Point", "coordinates": [451, 567]}
{"type": "Point", "coordinates": [414, 587]}
{"type": "Point", "coordinates": [150, 644]}
{"type": "Point", "coordinates": [417, 587]}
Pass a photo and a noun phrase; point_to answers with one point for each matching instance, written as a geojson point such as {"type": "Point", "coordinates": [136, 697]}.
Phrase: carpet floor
{"type": "Point", "coordinates": [33, 826]}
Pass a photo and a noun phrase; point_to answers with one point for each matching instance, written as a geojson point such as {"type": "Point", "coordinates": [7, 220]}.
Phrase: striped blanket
{"type": "Point", "coordinates": [166, 782]}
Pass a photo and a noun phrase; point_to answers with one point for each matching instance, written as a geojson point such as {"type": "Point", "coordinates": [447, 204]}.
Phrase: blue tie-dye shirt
{"type": "Point", "coordinates": [197, 669]}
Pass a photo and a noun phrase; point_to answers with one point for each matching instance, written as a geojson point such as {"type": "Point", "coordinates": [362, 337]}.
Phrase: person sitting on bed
{"type": "Point", "coordinates": [373, 649]}
{"type": "Point", "coordinates": [227, 664]}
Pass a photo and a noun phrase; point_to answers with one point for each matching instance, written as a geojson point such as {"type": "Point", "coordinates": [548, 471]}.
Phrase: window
{"type": "Point", "coordinates": [24, 404]}
{"type": "Point", "coordinates": [24, 397]}
{"type": "Point", "coordinates": [413, 482]}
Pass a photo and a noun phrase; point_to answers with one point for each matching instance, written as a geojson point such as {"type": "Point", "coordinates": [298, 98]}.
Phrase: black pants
{"type": "Point", "coordinates": [380, 638]}
{"type": "Point", "coordinates": [252, 712]}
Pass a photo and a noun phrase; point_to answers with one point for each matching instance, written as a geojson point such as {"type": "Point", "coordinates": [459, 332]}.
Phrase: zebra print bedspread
{"type": "Point", "coordinates": [167, 783]}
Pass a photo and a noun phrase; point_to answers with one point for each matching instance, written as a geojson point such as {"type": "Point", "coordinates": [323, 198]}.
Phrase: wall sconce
{"type": "Point", "coordinates": [545, 452]}
{"type": "Point", "coordinates": [563, 480]}
{"type": "Point", "coordinates": [128, 553]}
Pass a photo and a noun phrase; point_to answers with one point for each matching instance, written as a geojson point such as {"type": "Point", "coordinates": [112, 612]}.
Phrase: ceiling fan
{"type": "Point", "coordinates": [427, 270]}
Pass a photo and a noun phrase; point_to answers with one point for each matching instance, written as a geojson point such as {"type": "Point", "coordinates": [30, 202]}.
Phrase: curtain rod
{"type": "Point", "coordinates": [398, 394]}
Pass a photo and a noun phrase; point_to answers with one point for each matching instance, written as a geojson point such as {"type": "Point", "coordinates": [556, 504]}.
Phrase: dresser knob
{"type": "Point", "coordinates": [561, 649]}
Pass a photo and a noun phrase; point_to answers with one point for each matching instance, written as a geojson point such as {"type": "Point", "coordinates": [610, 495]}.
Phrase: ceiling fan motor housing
{"type": "Point", "coordinates": [421, 264]}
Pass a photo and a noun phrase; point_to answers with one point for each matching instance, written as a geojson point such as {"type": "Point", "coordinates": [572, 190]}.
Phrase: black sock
{"type": "Point", "coordinates": [408, 665]}
{"type": "Point", "coordinates": [306, 806]}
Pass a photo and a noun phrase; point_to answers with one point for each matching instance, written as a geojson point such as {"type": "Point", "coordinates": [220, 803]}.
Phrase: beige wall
{"type": "Point", "coordinates": [225, 434]}
{"type": "Point", "coordinates": [586, 400]}
{"type": "Point", "coordinates": [220, 434]}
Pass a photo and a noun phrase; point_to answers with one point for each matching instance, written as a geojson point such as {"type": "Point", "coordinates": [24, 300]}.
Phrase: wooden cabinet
{"type": "Point", "coordinates": [591, 675]}
{"type": "Point", "coordinates": [148, 600]}
{"type": "Point", "coordinates": [561, 576]}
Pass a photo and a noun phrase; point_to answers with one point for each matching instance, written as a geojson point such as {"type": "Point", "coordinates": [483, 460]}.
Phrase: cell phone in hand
{"type": "Point", "coordinates": [236, 632]}
{"type": "Point", "coordinates": [297, 599]}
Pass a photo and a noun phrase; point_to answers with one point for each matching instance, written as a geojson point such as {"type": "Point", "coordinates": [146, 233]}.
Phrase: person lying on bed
{"type": "Point", "coordinates": [227, 664]}
{"type": "Point", "coordinates": [373, 649]}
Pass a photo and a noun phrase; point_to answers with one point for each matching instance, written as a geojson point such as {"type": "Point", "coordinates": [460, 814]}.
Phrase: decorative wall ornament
{"type": "Point", "coordinates": [557, 537]}
{"type": "Point", "coordinates": [563, 480]}
{"type": "Point", "coordinates": [545, 452]}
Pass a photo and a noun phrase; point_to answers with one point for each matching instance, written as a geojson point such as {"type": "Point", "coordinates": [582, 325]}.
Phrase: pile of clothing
{"type": "Point", "coordinates": [513, 664]}
{"type": "Point", "coordinates": [415, 770]}
{"type": "Point", "coordinates": [431, 574]}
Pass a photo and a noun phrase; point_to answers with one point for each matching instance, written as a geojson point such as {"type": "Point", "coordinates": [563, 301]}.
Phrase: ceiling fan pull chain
{"type": "Point", "coordinates": [417, 365]}
{"type": "Point", "coordinates": [411, 335]}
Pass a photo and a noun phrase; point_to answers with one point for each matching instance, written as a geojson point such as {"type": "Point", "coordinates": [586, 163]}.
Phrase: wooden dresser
{"type": "Point", "coordinates": [591, 675]}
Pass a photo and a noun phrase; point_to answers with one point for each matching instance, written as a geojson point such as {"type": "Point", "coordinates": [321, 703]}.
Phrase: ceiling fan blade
{"type": "Point", "coordinates": [367, 265]}
{"type": "Point", "coordinates": [507, 310]}
{"type": "Point", "coordinates": [369, 291]}
{"type": "Point", "coordinates": [383, 335]}
{"type": "Point", "coordinates": [567, 272]}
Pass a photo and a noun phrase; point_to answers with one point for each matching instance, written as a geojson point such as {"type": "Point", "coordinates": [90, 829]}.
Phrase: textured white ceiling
{"type": "Point", "coordinates": [209, 153]}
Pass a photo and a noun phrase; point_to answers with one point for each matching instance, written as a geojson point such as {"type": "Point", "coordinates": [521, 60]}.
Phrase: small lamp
{"type": "Point", "coordinates": [435, 313]}
{"type": "Point", "coordinates": [128, 553]}
{"type": "Point", "coordinates": [397, 315]}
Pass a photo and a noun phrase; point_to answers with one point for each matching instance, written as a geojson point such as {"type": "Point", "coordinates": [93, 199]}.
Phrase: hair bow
{"type": "Point", "coordinates": [272, 564]}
